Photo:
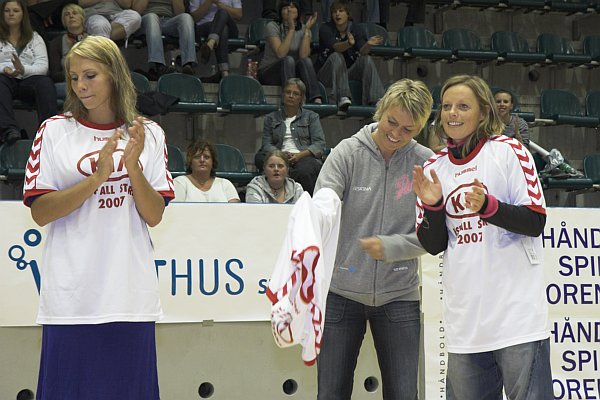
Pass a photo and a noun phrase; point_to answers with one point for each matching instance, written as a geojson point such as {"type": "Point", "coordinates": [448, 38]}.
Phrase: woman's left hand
{"type": "Point", "coordinates": [474, 200]}
{"type": "Point", "coordinates": [19, 68]}
{"type": "Point", "coordinates": [311, 21]}
{"type": "Point", "coordinates": [135, 144]}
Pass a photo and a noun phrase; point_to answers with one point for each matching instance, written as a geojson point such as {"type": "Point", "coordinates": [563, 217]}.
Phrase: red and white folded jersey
{"type": "Point", "coordinates": [300, 281]}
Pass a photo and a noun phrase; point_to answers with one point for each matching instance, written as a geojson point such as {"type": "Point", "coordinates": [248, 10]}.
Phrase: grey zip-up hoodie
{"type": "Point", "coordinates": [259, 191]}
{"type": "Point", "coordinates": [378, 200]}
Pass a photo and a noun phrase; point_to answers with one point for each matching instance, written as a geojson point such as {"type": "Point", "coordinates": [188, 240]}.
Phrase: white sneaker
{"type": "Point", "coordinates": [344, 103]}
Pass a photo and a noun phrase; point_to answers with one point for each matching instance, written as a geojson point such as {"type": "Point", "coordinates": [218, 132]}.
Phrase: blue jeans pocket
{"type": "Point", "coordinates": [402, 311]}
{"type": "Point", "coordinates": [336, 305]}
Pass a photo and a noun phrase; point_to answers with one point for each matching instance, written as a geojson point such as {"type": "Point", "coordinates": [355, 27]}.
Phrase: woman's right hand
{"type": "Point", "coordinates": [430, 192]}
{"type": "Point", "coordinates": [291, 20]}
{"type": "Point", "coordinates": [106, 164]}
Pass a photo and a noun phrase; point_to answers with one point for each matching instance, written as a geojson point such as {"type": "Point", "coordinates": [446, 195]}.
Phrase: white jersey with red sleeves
{"type": "Point", "coordinates": [97, 265]}
{"type": "Point", "coordinates": [494, 289]}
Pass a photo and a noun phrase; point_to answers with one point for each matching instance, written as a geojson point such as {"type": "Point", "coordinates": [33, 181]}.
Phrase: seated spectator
{"type": "Point", "coordinates": [45, 15]}
{"type": "Point", "coordinates": [514, 126]}
{"type": "Point", "coordinates": [216, 19]}
{"type": "Point", "coordinates": [287, 52]}
{"type": "Point", "coordinates": [298, 133]}
{"type": "Point", "coordinates": [201, 183]}
{"type": "Point", "coordinates": [23, 69]}
{"type": "Point", "coordinates": [344, 54]}
{"type": "Point", "coordinates": [274, 186]}
{"type": "Point", "coordinates": [113, 19]}
{"type": "Point", "coordinates": [73, 19]}
{"type": "Point", "coordinates": [166, 17]}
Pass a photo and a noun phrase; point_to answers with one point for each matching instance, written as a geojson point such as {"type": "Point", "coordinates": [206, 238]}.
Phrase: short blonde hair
{"type": "Point", "coordinates": [74, 8]}
{"type": "Point", "coordinates": [412, 96]}
{"type": "Point", "coordinates": [105, 52]}
{"type": "Point", "coordinates": [490, 125]}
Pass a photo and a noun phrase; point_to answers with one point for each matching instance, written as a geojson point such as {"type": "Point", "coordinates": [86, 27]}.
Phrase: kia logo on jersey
{"type": "Point", "coordinates": [455, 203]}
{"type": "Point", "coordinates": [88, 164]}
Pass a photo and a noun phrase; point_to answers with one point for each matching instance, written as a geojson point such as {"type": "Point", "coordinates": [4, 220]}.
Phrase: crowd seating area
{"type": "Point", "coordinates": [238, 94]}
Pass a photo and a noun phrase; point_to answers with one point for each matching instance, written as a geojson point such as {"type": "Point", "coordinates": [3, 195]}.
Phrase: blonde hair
{"type": "Point", "coordinates": [74, 8]}
{"type": "Point", "coordinates": [491, 124]}
{"type": "Point", "coordinates": [105, 52]}
{"type": "Point", "coordinates": [412, 96]}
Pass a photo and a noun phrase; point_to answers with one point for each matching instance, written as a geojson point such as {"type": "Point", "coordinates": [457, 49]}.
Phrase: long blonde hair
{"type": "Point", "coordinates": [105, 52]}
{"type": "Point", "coordinates": [490, 125]}
{"type": "Point", "coordinates": [412, 96]}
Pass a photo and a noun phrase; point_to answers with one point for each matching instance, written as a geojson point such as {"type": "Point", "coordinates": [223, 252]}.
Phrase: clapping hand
{"type": "Point", "coordinates": [430, 192]}
{"type": "Point", "coordinates": [375, 40]}
{"type": "Point", "coordinates": [475, 199]}
{"type": "Point", "coordinates": [310, 22]}
{"type": "Point", "coordinates": [17, 69]}
{"type": "Point", "coordinates": [135, 144]}
{"type": "Point", "coordinates": [106, 163]}
{"type": "Point", "coordinates": [350, 37]}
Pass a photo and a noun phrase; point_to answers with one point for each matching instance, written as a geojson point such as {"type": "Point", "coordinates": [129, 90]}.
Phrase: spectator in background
{"type": "Point", "coordinates": [344, 54]}
{"type": "Point", "coordinates": [73, 19]}
{"type": "Point", "coordinates": [166, 17]}
{"type": "Point", "coordinates": [216, 19]}
{"type": "Point", "coordinates": [298, 133]}
{"type": "Point", "coordinates": [45, 15]}
{"type": "Point", "coordinates": [287, 52]}
{"type": "Point", "coordinates": [113, 19]}
{"type": "Point", "coordinates": [513, 125]}
{"type": "Point", "coordinates": [23, 69]}
{"type": "Point", "coordinates": [201, 183]}
{"type": "Point", "coordinates": [274, 186]}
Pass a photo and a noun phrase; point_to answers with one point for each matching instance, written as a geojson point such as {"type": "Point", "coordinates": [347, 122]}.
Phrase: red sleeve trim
{"type": "Point", "coordinates": [537, 209]}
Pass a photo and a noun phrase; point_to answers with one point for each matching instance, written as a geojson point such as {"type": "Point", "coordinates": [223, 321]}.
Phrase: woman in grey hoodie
{"type": "Point", "coordinates": [274, 186]}
{"type": "Point", "coordinates": [375, 277]}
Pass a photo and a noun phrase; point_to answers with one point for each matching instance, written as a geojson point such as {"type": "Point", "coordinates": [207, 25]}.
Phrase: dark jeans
{"type": "Point", "coordinates": [396, 329]}
{"type": "Point", "coordinates": [221, 28]}
{"type": "Point", "coordinates": [38, 89]}
{"type": "Point", "coordinates": [287, 68]}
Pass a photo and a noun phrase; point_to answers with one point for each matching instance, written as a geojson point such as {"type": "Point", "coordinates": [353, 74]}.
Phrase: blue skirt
{"type": "Point", "coordinates": [98, 362]}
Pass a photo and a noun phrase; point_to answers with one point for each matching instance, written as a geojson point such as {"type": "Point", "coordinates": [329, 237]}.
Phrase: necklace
{"type": "Point", "coordinates": [277, 191]}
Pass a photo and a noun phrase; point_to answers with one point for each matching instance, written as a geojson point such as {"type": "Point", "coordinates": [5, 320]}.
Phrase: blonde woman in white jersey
{"type": "Point", "coordinates": [480, 202]}
{"type": "Point", "coordinates": [97, 178]}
